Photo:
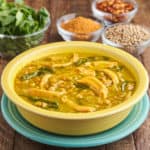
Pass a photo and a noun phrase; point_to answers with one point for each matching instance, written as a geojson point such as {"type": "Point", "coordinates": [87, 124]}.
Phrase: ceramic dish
{"type": "Point", "coordinates": [130, 124]}
{"type": "Point", "coordinates": [74, 123]}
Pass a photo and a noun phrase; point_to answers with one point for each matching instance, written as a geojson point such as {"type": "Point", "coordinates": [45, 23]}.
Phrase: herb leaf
{"type": "Point", "coordinates": [80, 86]}
{"type": "Point", "coordinates": [54, 104]}
{"type": "Point", "coordinates": [46, 70]}
{"type": "Point", "coordinates": [117, 68]}
{"type": "Point", "coordinates": [29, 75]}
{"type": "Point", "coordinates": [19, 17]}
{"type": "Point", "coordinates": [36, 73]}
{"type": "Point", "coordinates": [84, 60]}
{"type": "Point", "coordinates": [81, 61]}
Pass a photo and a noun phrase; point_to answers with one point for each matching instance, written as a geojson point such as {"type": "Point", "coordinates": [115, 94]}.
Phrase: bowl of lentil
{"type": "Point", "coordinates": [130, 37]}
{"type": "Point", "coordinates": [118, 71]}
{"type": "Point", "coordinates": [73, 27]}
{"type": "Point", "coordinates": [114, 11]}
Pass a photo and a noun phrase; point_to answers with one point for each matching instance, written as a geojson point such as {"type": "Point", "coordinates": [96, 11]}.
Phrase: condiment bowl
{"type": "Point", "coordinates": [74, 123]}
{"type": "Point", "coordinates": [135, 50]}
{"type": "Point", "coordinates": [108, 18]}
{"type": "Point", "coordinates": [71, 36]}
{"type": "Point", "coordinates": [12, 45]}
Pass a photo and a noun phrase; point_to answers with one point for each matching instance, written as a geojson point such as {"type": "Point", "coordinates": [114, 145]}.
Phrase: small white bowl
{"type": "Point", "coordinates": [106, 17]}
{"type": "Point", "coordinates": [71, 36]}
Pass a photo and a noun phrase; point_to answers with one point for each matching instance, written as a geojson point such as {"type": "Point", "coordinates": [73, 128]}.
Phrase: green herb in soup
{"type": "Point", "coordinates": [75, 83]}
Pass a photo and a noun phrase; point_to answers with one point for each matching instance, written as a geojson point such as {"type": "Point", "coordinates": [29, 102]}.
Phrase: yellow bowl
{"type": "Point", "coordinates": [72, 123]}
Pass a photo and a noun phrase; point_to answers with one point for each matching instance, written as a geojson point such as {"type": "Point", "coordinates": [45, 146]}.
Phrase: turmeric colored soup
{"type": "Point", "coordinates": [75, 83]}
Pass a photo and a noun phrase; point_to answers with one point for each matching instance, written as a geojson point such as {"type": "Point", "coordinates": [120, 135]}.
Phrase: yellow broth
{"type": "Point", "coordinates": [75, 83]}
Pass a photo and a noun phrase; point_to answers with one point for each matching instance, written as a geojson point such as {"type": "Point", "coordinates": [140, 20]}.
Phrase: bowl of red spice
{"type": "Point", "coordinates": [73, 27]}
{"type": "Point", "coordinates": [114, 11]}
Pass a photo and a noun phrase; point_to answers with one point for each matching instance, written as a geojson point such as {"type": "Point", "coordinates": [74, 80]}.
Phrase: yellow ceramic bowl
{"type": "Point", "coordinates": [74, 123]}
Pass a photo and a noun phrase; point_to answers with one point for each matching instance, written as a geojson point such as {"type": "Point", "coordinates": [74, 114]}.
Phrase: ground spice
{"type": "Point", "coordinates": [81, 25]}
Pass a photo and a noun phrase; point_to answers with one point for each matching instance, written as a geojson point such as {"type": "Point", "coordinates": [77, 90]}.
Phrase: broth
{"type": "Point", "coordinates": [75, 83]}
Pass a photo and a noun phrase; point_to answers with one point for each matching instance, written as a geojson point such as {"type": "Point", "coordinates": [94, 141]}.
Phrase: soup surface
{"type": "Point", "coordinates": [75, 83]}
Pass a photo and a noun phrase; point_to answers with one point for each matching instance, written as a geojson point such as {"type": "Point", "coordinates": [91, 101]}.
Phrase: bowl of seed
{"type": "Point", "coordinates": [130, 37]}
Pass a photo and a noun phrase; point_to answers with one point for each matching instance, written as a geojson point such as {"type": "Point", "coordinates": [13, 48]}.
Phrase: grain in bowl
{"type": "Point", "coordinates": [133, 38]}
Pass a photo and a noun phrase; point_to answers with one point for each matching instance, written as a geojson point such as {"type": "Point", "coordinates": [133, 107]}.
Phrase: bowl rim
{"type": "Point", "coordinates": [94, 8]}
{"type": "Point", "coordinates": [28, 35]}
{"type": "Point", "coordinates": [73, 15]}
{"type": "Point", "coordinates": [104, 38]}
{"type": "Point", "coordinates": [136, 97]}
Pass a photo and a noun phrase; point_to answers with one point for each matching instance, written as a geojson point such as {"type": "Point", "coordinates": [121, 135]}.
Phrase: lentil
{"type": "Point", "coordinates": [129, 36]}
{"type": "Point", "coordinates": [83, 92]}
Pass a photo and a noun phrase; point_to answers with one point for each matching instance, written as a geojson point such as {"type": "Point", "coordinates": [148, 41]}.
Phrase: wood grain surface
{"type": "Point", "coordinates": [139, 140]}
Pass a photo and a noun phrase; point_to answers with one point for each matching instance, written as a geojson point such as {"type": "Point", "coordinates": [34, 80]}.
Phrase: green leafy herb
{"type": "Point", "coordinates": [84, 60]}
{"type": "Point", "coordinates": [53, 104]}
{"type": "Point", "coordinates": [29, 75]}
{"type": "Point", "coordinates": [88, 59]}
{"type": "Point", "coordinates": [80, 86]}
{"type": "Point", "coordinates": [38, 72]}
{"type": "Point", "coordinates": [46, 70]}
{"type": "Point", "coordinates": [105, 58]}
{"type": "Point", "coordinates": [81, 61]}
{"type": "Point", "coordinates": [19, 19]}
{"type": "Point", "coordinates": [117, 68]}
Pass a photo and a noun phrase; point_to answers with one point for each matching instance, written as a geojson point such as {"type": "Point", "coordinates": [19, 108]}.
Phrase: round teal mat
{"type": "Point", "coordinates": [130, 124]}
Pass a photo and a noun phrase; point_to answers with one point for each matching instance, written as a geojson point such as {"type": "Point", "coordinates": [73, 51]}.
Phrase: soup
{"type": "Point", "coordinates": [74, 83]}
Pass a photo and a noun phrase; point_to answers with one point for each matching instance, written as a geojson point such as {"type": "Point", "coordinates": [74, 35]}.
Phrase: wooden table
{"type": "Point", "coordinates": [139, 140]}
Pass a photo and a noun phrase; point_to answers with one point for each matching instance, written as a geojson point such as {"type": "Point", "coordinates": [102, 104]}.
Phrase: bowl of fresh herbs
{"type": "Point", "coordinates": [21, 27]}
